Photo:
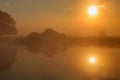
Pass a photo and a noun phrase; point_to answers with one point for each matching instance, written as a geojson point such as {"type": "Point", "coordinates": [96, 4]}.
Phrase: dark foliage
{"type": "Point", "coordinates": [49, 42]}
{"type": "Point", "coordinates": [7, 24]}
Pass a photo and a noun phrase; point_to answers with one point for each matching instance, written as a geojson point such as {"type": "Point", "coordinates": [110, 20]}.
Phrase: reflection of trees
{"type": "Point", "coordinates": [7, 54]}
{"type": "Point", "coordinates": [51, 77]}
{"type": "Point", "coordinates": [49, 42]}
{"type": "Point", "coordinates": [7, 57]}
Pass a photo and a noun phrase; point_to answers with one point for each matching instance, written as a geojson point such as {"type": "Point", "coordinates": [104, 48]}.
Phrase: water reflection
{"type": "Point", "coordinates": [49, 42]}
{"type": "Point", "coordinates": [107, 60]}
{"type": "Point", "coordinates": [51, 77]}
{"type": "Point", "coordinates": [49, 51]}
{"type": "Point", "coordinates": [7, 58]}
{"type": "Point", "coordinates": [71, 63]}
{"type": "Point", "coordinates": [62, 67]}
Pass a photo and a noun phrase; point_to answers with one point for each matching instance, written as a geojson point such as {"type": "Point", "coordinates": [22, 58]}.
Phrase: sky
{"type": "Point", "coordinates": [66, 16]}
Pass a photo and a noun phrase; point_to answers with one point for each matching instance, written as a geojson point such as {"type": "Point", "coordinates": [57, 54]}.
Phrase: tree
{"type": "Point", "coordinates": [33, 42]}
{"type": "Point", "coordinates": [7, 24]}
{"type": "Point", "coordinates": [33, 38]}
{"type": "Point", "coordinates": [49, 42]}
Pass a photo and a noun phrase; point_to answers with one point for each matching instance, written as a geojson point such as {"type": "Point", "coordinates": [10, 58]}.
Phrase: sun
{"type": "Point", "coordinates": [92, 10]}
{"type": "Point", "coordinates": [92, 60]}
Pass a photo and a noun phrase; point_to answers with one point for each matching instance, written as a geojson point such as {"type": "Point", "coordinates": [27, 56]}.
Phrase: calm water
{"type": "Point", "coordinates": [66, 65]}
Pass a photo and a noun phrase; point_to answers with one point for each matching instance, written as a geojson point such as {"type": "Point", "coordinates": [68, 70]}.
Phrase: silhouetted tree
{"type": "Point", "coordinates": [51, 37]}
{"type": "Point", "coordinates": [33, 37]}
{"type": "Point", "coordinates": [33, 41]}
{"type": "Point", "coordinates": [48, 42]}
{"type": "Point", "coordinates": [7, 24]}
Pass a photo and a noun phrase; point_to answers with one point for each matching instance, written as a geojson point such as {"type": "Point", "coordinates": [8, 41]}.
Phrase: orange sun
{"type": "Point", "coordinates": [92, 10]}
{"type": "Point", "coordinates": [92, 60]}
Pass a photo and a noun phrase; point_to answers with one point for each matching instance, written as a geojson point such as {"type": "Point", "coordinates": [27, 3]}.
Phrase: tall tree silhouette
{"type": "Point", "coordinates": [7, 24]}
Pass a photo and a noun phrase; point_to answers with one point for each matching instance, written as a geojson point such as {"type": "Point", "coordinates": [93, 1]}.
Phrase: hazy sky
{"type": "Point", "coordinates": [63, 15]}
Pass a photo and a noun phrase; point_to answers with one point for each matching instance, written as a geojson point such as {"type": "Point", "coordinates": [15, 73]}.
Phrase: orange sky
{"type": "Point", "coordinates": [68, 16]}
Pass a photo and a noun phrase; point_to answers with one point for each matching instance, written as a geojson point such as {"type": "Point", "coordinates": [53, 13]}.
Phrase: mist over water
{"type": "Point", "coordinates": [51, 55]}
{"type": "Point", "coordinates": [63, 66]}
{"type": "Point", "coordinates": [59, 40]}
